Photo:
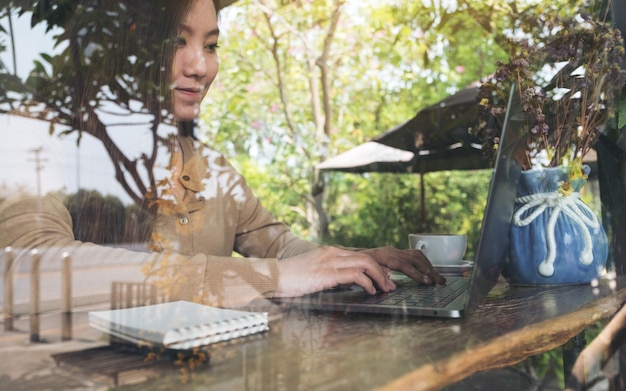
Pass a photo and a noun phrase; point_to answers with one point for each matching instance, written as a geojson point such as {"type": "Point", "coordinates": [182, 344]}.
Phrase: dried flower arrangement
{"type": "Point", "coordinates": [569, 85]}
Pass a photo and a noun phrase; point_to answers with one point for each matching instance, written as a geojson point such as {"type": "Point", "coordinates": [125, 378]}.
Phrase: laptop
{"type": "Point", "coordinates": [462, 293]}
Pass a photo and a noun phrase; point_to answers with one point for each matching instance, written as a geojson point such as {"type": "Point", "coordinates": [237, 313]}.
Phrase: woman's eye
{"type": "Point", "coordinates": [180, 41]}
{"type": "Point", "coordinates": [212, 47]}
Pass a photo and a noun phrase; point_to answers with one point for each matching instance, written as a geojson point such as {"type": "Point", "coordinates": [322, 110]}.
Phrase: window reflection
{"type": "Point", "coordinates": [88, 213]}
{"type": "Point", "coordinates": [93, 152]}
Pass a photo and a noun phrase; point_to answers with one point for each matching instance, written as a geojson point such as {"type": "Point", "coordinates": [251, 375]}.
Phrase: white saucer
{"type": "Point", "coordinates": [464, 266]}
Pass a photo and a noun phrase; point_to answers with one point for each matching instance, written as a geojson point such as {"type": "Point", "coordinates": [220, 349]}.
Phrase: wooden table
{"type": "Point", "coordinates": [337, 351]}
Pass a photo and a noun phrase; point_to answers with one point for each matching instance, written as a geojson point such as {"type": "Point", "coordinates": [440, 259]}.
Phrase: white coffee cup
{"type": "Point", "coordinates": [440, 249]}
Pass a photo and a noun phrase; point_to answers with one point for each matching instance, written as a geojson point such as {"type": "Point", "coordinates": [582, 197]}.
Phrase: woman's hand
{"type": "Point", "coordinates": [413, 263]}
{"type": "Point", "coordinates": [329, 267]}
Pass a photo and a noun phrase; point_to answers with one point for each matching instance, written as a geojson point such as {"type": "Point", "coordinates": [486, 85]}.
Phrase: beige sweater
{"type": "Point", "coordinates": [194, 236]}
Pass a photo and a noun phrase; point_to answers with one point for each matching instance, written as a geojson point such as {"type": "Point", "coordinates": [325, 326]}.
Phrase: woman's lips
{"type": "Point", "coordinates": [191, 93]}
{"type": "Point", "coordinates": [189, 90]}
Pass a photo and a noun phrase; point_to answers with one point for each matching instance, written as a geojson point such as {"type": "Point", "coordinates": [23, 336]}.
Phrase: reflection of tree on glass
{"type": "Point", "coordinates": [203, 208]}
{"type": "Point", "coordinates": [109, 71]}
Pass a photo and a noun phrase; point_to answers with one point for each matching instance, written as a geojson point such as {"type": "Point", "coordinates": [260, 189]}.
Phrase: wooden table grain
{"type": "Point", "coordinates": [528, 321]}
{"type": "Point", "coordinates": [311, 350]}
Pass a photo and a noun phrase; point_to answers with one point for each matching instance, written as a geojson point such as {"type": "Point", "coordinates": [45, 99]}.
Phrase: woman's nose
{"type": "Point", "coordinates": [195, 62]}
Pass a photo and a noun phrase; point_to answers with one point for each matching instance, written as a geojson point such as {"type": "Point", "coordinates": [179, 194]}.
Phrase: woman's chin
{"type": "Point", "coordinates": [186, 115]}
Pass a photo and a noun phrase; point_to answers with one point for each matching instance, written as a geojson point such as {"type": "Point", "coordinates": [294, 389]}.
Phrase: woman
{"type": "Point", "coordinates": [207, 211]}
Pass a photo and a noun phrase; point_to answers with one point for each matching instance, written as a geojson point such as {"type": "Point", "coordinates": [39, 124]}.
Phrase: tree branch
{"type": "Point", "coordinates": [322, 63]}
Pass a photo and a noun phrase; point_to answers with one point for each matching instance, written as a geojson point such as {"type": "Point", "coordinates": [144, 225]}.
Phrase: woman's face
{"type": "Point", "coordinates": [195, 59]}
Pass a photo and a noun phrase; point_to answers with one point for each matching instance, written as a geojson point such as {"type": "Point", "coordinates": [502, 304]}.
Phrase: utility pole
{"type": "Point", "coordinates": [38, 166]}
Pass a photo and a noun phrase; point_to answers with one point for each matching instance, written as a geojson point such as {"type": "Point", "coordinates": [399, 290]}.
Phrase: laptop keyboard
{"type": "Point", "coordinates": [410, 294]}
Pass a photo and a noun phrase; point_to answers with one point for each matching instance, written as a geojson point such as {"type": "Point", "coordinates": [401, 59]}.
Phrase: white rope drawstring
{"type": "Point", "coordinates": [571, 206]}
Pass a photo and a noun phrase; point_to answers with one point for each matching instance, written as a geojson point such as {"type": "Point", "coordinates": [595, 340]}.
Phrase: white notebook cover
{"type": "Point", "coordinates": [178, 325]}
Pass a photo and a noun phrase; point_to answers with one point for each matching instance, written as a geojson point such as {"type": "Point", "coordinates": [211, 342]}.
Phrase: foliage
{"type": "Point", "coordinates": [294, 88]}
{"type": "Point", "coordinates": [382, 209]}
{"type": "Point", "coordinates": [566, 114]}
{"type": "Point", "coordinates": [405, 64]}
{"type": "Point", "coordinates": [299, 81]}
{"type": "Point", "coordinates": [269, 189]}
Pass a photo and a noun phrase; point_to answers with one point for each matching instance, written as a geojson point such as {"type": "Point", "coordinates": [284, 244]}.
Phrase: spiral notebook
{"type": "Point", "coordinates": [179, 325]}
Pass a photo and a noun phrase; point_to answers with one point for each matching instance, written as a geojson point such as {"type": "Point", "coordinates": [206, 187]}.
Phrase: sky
{"type": "Point", "coordinates": [63, 166]}
{"type": "Point", "coordinates": [37, 40]}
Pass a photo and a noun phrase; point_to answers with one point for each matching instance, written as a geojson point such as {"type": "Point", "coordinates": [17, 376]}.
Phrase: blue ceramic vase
{"type": "Point", "coordinates": [555, 238]}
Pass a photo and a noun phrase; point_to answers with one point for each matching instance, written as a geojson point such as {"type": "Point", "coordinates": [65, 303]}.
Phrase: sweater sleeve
{"type": "Point", "coordinates": [261, 235]}
{"type": "Point", "coordinates": [44, 225]}
{"type": "Point", "coordinates": [258, 233]}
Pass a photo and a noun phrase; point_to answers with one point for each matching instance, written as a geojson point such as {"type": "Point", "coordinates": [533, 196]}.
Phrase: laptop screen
{"type": "Point", "coordinates": [493, 244]}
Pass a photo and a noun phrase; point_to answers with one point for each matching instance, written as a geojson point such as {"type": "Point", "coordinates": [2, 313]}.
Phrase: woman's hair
{"type": "Point", "coordinates": [167, 17]}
